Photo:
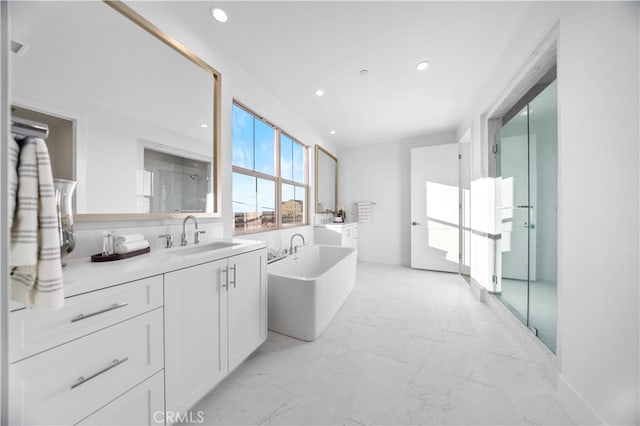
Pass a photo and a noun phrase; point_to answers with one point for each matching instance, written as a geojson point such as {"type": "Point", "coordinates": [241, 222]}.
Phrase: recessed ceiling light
{"type": "Point", "coordinates": [422, 65]}
{"type": "Point", "coordinates": [333, 132]}
{"type": "Point", "coordinates": [364, 72]}
{"type": "Point", "coordinates": [219, 14]}
{"type": "Point", "coordinates": [204, 126]}
{"type": "Point", "coordinates": [319, 92]}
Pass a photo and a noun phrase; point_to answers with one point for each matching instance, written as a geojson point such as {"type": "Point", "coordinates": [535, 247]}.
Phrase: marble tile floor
{"type": "Point", "coordinates": [541, 305]}
{"type": "Point", "coordinates": [407, 347]}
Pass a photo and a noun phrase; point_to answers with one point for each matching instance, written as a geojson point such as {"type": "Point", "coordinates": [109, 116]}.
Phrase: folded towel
{"type": "Point", "coordinates": [36, 271]}
{"type": "Point", "coordinates": [129, 238]}
{"type": "Point", "coordinates": [128, 247]}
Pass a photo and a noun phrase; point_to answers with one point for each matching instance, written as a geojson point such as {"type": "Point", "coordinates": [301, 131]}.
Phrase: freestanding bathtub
{"type": "Point", "coordinates": [307, 289]}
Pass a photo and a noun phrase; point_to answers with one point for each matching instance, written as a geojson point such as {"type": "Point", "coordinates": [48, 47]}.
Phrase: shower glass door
{"type": "Point", "coordinates": [543, 148]}
{"type": "Point", "coordinates": [513, 211]}
{"type": "Point", "coordinates": [527, 210]}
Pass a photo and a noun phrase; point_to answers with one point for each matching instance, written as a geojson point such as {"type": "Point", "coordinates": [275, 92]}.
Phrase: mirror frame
{"type": "Point", "coordinates": [143, 23]}
{"type": "Point", "coordinates": [319, 150]}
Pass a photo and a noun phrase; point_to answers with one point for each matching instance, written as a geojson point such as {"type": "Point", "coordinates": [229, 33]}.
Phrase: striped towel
{"type": "Point", "coordinates": [14, 152]}
{"type": "Point", "coordinates": [364, 212]}
{"type": "Point", "coordinates": [36, 271]}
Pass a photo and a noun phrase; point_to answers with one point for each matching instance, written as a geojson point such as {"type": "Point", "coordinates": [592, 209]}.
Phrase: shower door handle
{"type": "Point", "coordinates": [415, 224]}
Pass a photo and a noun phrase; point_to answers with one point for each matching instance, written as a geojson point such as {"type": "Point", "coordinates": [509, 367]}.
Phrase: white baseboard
{"type": "Point", "coordinates": [580, 410]}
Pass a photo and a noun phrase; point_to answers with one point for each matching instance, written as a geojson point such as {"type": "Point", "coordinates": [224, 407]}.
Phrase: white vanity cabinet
{"type": "Point", "coordinates": [195, 332]}
{"type": "Point", "coordinates": [247, 305]}
{"type": "Point", "coordinates": [337, 234]}
{"type": "Point", "coordinates": [69, 364]}
{"type": "Point", "coordinates": [215, 316]}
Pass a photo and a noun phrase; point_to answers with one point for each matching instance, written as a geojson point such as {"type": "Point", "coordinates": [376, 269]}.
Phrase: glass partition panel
{"type": "Point", "coordinates": [513, 211]}
{"type": "Point", "coordinates": [527, 170]}
{"type": "Point", "coordinates": [543, 135]}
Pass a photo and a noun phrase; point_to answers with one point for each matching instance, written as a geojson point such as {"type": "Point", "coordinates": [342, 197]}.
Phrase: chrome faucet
{"type": "Point", "coordinates": [291, 248]}
{"type": "Point", "coordinates": [196, 234]}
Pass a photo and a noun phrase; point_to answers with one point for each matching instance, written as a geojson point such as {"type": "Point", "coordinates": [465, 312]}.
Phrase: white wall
{"type": "Point", "coordinates": [4, 216]}
{"type": "Point", "coordinates": [598, 217]}
{"type": "Point", "coordinates": [382, 173]}
{"type": "Point", "coordinates": [598, 102]}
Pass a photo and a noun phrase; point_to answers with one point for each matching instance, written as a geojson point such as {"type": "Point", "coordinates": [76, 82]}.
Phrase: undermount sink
{"type": "Point", "coordinates": [202, 248]}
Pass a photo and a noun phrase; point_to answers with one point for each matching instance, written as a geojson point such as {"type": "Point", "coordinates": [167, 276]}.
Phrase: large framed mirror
{"type": "Point", "coordinates": [326, 181]}
{"type": "Point", "coordinates": [134, 116]}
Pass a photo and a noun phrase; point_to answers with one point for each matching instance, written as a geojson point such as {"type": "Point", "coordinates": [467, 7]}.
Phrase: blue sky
{"type": "Point", "coordinates": [250, 136]}
{"type": "Point", "coordinates": [247, 129]}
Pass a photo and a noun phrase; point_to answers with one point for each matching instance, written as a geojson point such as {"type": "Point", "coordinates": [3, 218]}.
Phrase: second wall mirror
{"type": "Point", "coordinates": [326, 181]}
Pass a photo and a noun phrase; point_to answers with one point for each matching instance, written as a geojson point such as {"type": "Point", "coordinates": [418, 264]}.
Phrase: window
{"type": "Point", "coordinates": [270, 182]}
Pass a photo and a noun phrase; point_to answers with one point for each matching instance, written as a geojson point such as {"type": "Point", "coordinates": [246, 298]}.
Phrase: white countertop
{"type": "Point", "coordinates": [81, 275]}
{"type": "Point", "coordinates": [335, 224]}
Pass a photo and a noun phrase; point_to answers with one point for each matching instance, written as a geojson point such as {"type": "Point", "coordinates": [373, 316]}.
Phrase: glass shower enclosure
{"type": "Point", "coordinates": [526, 211]}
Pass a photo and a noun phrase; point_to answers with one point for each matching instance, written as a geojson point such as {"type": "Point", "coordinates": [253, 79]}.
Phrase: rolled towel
{"type": "Point", "coordinates": [128, 247]}
{"type": "Point", "coordinates": [129, 238]}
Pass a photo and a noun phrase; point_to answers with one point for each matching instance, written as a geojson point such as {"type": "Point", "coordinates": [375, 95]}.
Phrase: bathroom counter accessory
{"type": "Point", "coordinates": [100, 258]}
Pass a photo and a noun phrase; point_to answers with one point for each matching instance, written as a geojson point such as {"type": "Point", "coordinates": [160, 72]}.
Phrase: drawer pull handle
{"type": "Point", "coordinates": [234, 275]}
{"type": "Point", "coordinates": [102, 311]}
{"type": "Point", "coordinates": [82, 380]}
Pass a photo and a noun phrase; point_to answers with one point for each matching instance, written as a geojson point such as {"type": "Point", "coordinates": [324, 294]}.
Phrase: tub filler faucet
{"type": "Point", "coordinates": [291, 247]}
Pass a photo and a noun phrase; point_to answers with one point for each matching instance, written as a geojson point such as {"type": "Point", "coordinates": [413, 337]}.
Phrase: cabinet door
{"type": "Point", "coordinates": [141, 406]}
{"type": "Point", "coordinates": [347, 239]}
{"type": "Point", "coordinates": [247, 305]}
{"type": "Point", "coordinates": [195, 332]}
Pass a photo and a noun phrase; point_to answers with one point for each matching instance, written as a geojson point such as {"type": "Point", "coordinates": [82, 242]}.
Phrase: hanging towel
{"type": "Point", "coordinates": [128, 247]}
{"type": "Point", "coordinates": [14, 152]}
{"type": "Point", "coordinates": [36, 271]}
{"type": "Point", "coordinates": [364, 211]}
{"type": "Point", "coordinates": [129, 238]}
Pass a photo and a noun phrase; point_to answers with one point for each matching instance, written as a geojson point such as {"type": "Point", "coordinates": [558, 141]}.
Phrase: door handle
{"type": "Point", "coordinates": [225, 284]}
{"type": "Point", "coordinates": [415, 224]}
{"type": "Point", "coordinates": [234, 275]}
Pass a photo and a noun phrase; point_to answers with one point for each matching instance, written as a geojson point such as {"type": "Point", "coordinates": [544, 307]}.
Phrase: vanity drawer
{"type": "Point", "coordinates": [32, 331]}
{"type": "Point", "coordinates": [141, 406]}
{"type": "Point", "coordinates": [48, 388]}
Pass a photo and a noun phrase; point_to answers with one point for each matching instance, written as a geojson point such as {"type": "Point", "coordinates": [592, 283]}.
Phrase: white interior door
{"type": "Point", "coordinates": [435, 215]}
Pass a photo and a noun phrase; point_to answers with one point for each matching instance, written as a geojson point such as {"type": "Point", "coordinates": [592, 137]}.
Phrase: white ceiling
{"type": "Point", "coordinates": [296, 47]}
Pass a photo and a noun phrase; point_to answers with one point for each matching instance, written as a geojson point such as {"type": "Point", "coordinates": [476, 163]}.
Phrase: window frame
{"type": "Point", "coordinates": [277, 178]}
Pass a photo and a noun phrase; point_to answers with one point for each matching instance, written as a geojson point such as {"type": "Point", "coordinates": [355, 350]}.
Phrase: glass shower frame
{"type": "Point", "coordinates": [526, 213]}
